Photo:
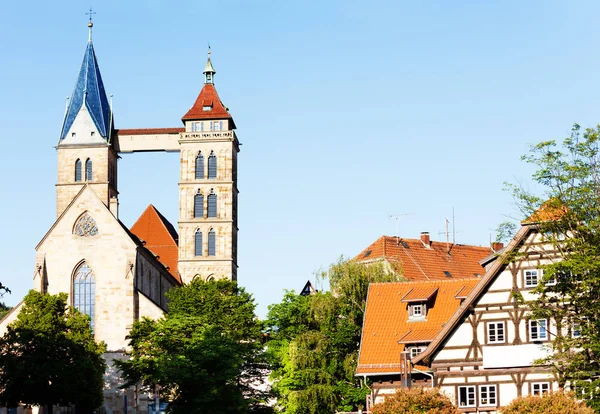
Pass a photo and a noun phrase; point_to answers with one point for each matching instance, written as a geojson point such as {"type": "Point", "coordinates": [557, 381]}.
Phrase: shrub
{"type": "Point", "coordinates": [416, 401]}
{"type": "Point", "coordinates": [555, 403]}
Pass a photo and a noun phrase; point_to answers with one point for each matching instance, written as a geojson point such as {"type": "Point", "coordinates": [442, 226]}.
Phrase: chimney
{"type": "Point", "coordinates": [425, 239]}
{"type": "Point", "coordinates": [113, 206]}
{"type": "Point", "coordinates": [497, 246]}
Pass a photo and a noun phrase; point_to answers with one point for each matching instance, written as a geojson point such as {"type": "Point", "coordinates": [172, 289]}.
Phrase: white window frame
{"type": "Point", "coordinates": [416, 350]}
{"type": "Point", "coordinates": [491, 401]}
{"type": "Point", "coordinates": [543, 388]}
{"type": "Point", "coordinates": [422, 311]}
{"type": "Point", "coordinates": [535, 324]}
{"type": "Point", "coordinates": [530, 273]}
{"type": "Point", "coordinates": [473, 393]}
{"type": "Point", "coordinates": [576, 327]}
{"type": "Point", "coordinates": [494, 326]}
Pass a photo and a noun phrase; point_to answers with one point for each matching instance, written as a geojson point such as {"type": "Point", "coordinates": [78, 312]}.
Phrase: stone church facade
{"type": "Point", "coordinates": [115, 274]}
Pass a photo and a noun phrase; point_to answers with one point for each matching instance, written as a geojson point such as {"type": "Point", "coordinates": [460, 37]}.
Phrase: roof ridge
{"type": "Point", "coordinates": [428, 281]}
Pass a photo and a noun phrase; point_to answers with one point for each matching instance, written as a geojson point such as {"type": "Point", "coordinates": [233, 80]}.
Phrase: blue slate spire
{"type": "Point", "coordinates": [89, 89]}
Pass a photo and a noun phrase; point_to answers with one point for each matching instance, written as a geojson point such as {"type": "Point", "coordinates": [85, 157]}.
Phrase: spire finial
{"type": "Point", "coordinates": [209, 71]}
{"type": "Point", "coordinates": [90, 24]}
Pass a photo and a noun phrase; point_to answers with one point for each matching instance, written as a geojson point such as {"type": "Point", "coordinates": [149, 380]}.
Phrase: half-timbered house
{"type": "Point", "coordinates": [484, 356]}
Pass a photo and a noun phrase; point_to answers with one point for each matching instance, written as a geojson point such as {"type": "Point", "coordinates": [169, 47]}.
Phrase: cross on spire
{"type": "Point", "coordinates": [90, 24]}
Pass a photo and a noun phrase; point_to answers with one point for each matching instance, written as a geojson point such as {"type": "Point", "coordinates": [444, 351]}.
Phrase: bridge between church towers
{"type": "Point", "coordinates": [163, 139]}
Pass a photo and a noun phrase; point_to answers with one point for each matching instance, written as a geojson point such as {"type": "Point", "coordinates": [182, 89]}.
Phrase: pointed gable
{"type": "Point", "coordinates": [159, 237]}
{"type": "Point", "coordinates": [208, 105]}
{"type": "Point", "coordinates": [434, 260]}
{"type": "Point", "coordinates": [89, 90]}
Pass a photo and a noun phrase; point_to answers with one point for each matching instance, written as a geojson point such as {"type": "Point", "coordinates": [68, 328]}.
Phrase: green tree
{"type": "Point", "coordinates": [314, 341]}
{"type": "Point", "coordinates": [48, 356]}
{"type": "Point", "coordinates": [416, 401]}
{"type": "Point", "coordinates": [556, 403]}
{"type": "Point", "coordinates": [567, 214]}
{"type": "Point", "coordinates": [205, 354]}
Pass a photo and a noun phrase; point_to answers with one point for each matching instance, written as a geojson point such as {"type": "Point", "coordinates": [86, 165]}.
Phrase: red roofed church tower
{"type": "Point", "coordinates": [208, 193]}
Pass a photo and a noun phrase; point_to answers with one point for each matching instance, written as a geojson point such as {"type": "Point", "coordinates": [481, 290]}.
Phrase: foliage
{"type": "Point", "coordinates": [4, 309]}
{"type": "Point", "coordinates": [505, 231]}
{"type": "Point", "coordinates": [204, 354]}
{"type": "Point", "coordinates": [556, 403]}
{"type": "Point", "coordinates": [568, 217]}
{"type": "Point", "coordinates": [313, 341]}
{"type": "Point", "coordinates": [416, 401]}
{"type": "Point", "coordinates": [49, 356]}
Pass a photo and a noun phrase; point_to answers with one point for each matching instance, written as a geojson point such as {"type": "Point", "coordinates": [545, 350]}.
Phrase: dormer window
{"type": "Point", "coordinates": [417, 311]}
{"type": "Point", "coordinates": [207, 108]}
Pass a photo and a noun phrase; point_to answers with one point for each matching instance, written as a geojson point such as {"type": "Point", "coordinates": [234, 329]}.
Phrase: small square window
{"type": "Point", "coordinates": [538, 330]}
{"type": "Point", "coordinates": [416, 311]}
{"type": "Point", "coordinates": [531, 278]}
{"type": "Point", "coordinates": [92, 133]}
{"type": "Point", "coordinates": [416, 350]}
{"type": "Point", "coordinates": [488, 396]}
{"type": "Point", "coordinates": [575, 331]}
{"type": "Point", "coordinates": [540, 388]}
{"type": "Point", "coordinates": [495, 331]}
{"type": "Point", "coordinates": [466, 396]}
{"type": "Point", "coordinates": [73, 134]}
{"type": "Point", "coordinates": [207, 108]}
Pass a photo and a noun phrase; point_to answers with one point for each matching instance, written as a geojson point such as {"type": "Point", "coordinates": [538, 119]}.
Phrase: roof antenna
{"type": "Point", "coordinates": [396, 217]}
{"type": "Point", "coordinates": [90, 24]}
{"type": "Point", "coordinates": [453, 227]}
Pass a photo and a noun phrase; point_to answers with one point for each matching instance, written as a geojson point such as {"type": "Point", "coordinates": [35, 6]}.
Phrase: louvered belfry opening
{"type": "Point", "coordinates": [198, 205]}
{"type": "Point", "coordinates": [198, 243]}
{"type": "Point", "coordinates": [212, 165]}
{"type": "Point", "coordinates": [199, 166]}
{"type": "Point", "coordinates": [211, 243]}
{"type": "Point", "coordinates": [212, 204]}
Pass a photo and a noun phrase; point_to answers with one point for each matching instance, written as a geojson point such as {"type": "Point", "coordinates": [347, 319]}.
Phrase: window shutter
{"type": "Point", "coordinates": [212, 165]}
{"type": "Point", "coordinates": [198, 243]}
{"type": "Point", "coordinates": [198, 206]}
{"type": "Point", "coordinates": [199, 166]}
{"type": "Point", "coordinates": [77, 170]}
{"type": "Point", "coordinates": [410, 310]}
{"type": "Point", "coordinates": [212, 204]}
{"type": "Point", "coordinates": [424, 310]}
{"type": "Point", "coordinates": [211, 243]}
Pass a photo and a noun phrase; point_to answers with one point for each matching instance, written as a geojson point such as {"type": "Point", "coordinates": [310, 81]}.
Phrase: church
{"type": "Point", "coordinates": [116, 274]}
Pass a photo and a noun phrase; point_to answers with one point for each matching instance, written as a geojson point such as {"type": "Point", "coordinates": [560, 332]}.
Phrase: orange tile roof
{"type": "Point", "coordinates": [464, 292]}
{"type": "Point", "coordinates": [420, 262]}
{"type": "Point", "coordinates": [160, 238]}
{"type": "Point", "coordinates": [551, 210]}
{"type": "Point", "coordinates": [208, 97]}
{"type": "Point", "coordinates": [386, 322]}
{"type": "Point", "coordinates": [149, 131]}
{"type": "Point", "coordinates": [420, 294]}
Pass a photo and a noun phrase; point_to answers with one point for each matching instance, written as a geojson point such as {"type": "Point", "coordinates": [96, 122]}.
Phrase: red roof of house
{"type": "Point", "coordinates": [160, 238]}
{"type": "Point", "coordinates": [149, 131]}
{"type": "Point", "coordinates": [208, 105]}
{"type": "Point", "coordinates": [436, 260]}
{"type": "Point", "coordinates": [387, 329]}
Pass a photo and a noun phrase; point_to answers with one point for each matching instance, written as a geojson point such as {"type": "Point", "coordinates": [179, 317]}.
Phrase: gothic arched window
{"type": "Point", "coordinates": [85, 226]}
{"type": "Point", "coordinates": [84, 287]}
{"type": "Point", "coordinates": [212, 165]}
{"type": "Point", "coordinates": [212, 204]}
{"type": "Point", "coordinates": [78, 170]}
{"type": "Point", "coordinates": [198, 243]}
{"type": "Point", "coordinates": [198, 205]}
{"type": "Point", "coordinates": [212, 243]}
{"type": "Point", "coordinates": [88, 170]}
{"type": "Point", "coordinates": [199, 166]}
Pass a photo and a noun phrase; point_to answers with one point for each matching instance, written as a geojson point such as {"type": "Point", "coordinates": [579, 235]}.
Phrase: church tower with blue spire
{"type": "Point", "coordinates": [86, 153]}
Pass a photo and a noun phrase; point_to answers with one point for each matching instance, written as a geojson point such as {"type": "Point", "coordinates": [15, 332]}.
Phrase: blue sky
{"type": "Point", "coordinates": [348, 111]}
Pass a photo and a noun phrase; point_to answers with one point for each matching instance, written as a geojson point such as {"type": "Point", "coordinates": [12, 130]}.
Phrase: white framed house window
{"type": "Point", "coordinates": [531, 277]}
{"type": "Point", "coordinates": [488, 396]}
{"type": "Point", "coordinates": [416, 350]}
{"type": "Point", "coordinates": [416, 311]}
{"type": "Point", "coordinates": [538, 329]}
{"type": "Point", "coordinates": [466, 396]}
{"type": "Point", "coordinates": [540, 388]}
{"type": "Point", "coordinates": [496, 332]}
{"type": "Point", "coordinates": [575, 330]}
